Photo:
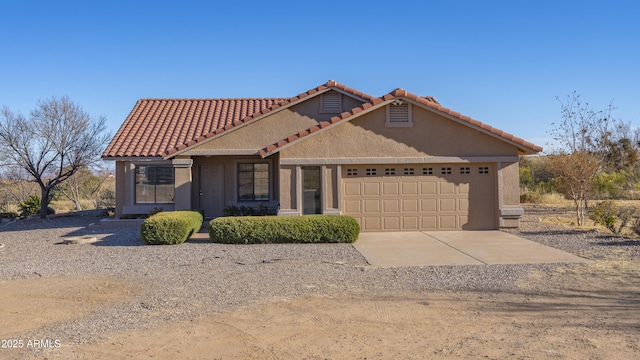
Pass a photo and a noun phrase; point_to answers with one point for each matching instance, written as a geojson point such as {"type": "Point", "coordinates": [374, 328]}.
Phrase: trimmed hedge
{"type": "Point", "coordinates": [171, 227]}
{"type": "Point", "coordinates": [284, 229]}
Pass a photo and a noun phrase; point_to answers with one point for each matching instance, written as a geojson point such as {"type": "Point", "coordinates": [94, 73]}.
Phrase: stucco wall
{"type": "Point", "coordinates": [272, 128]}
{"type": "Point", "coordinates": [510, 174]}
{"type": "Point", "coordinates": [288, 199]}
{"type": "Point", "coordinates": [125, 188]}
{"type": "Point", "coordinates": [331, 188]}
{"type": "Point", "coordinates": [121, 187]}
{"type": "Point", "coordinates": [430, 135]}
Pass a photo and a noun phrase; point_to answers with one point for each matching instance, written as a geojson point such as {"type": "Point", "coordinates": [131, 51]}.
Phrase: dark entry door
{"type": "Point", "coordinates": [211, 189]}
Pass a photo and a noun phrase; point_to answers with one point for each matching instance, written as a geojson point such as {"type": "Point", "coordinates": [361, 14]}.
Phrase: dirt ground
{"type": "Point", "coordinates": [590, 312]}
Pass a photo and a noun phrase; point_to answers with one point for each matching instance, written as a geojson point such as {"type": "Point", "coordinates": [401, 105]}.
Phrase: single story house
{"type": "Point", "coordinates": [396, 162]}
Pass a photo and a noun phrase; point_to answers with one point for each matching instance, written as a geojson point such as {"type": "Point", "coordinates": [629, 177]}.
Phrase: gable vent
{"type": "Point", "coordinates": [331, 102]}
{"type": "Point", "coordinates": [399, 115]}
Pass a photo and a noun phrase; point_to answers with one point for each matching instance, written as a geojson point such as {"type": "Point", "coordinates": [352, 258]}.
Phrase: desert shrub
{"type": "Point", "coordinates": [526, 180]}
{"type": "Point", "coordinates": [8, 215]}
{"type": "Point", "coordinates": [284, 229]}
{"type": "Point", "coordinates": [635, 226]}
{"type": "Point", "coordinates": [172, 227]}
{"type": "Point", "coordinates": [30, 206]}
{"type": "Point", "coordinates": [531, 197]}
{"type": "Point", "coordinates": [607, 214]}
{"type": "Point", "coordinates": [610, 184]}
{"type": "Point", "coordinates": [105, 199]}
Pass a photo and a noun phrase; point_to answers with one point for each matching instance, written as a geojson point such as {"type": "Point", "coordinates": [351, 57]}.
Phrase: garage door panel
{"type": "Point", "coordinates": [428, 188]}
{"type": "Point", "coordinates": [371, 223]}
{"type": "Point", "coordinates": [410, 188]}
{"type": "Point", "coordinates": [410, 223]}
{"type": "Point", "coordinates": [463, 204]}
{"type": "Point", "coordinates": [429, 204]}
{"type": "Point", "coordinates": [448, 222]}
{"type": "Point", "coordinates": [371, 189]}
{"type": "Point", "coordinates": [447, 197]}
{"type": "Point", "coordinates": [429, 222]}
{"type": "Point", "coordinates": [390, 188]}
{"type": "Point", "coordinates": [409, 205]}
{"type": "Point", "coordinates": [391, 205]}
{"type": "Point", "coordinates": [447, 205]}
{"type": "Point", "coordinates": [352, 189]}
{"type": "Point", "coordinates": [391, 223]}
{"type": "Point", "coordinates": [447, 188]}
{"type": "Point", "coordinates": [371, 206]}
{"type": "Point", "coordinates": [352, 206]}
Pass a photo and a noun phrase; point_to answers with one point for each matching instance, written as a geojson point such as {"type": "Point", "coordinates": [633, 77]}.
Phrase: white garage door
{"type": "Point", "coordinates": [420, 197]}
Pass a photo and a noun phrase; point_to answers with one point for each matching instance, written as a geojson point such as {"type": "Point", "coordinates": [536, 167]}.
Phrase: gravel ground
{"type": "Point", "coordinates": [198, 278]}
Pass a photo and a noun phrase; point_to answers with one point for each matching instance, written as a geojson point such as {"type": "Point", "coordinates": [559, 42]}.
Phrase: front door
{"type": "Point", "coordinates": [211, 189]}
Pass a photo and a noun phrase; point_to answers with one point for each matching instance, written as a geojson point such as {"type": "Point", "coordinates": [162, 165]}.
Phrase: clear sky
{"type": "Point", "coordinates": [500, 62]}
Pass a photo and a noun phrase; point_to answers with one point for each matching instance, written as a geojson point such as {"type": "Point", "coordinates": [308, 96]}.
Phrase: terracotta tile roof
{"type": "Point", "coordinates": [425, 100]}
{"type": "Point", "coordinates": [156, 125]}
{"type": "Point", "coordinates": [163, 127]}
{"type": "Point", "coordinates": [274, 107]}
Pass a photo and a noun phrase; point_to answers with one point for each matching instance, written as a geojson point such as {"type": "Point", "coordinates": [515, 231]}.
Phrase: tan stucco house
{"type": "Point", "coordinates": [396, 162]}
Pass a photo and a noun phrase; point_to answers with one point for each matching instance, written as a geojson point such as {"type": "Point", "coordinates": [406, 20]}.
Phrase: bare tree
{"type": "Point", "coordinates": [57, 139]}
{"type": "Point", "coordinates": [14, 188]}
{"type": "Point", "coordinates": [581, 140]}
{"type": "Point", "coordinates": [81, 185]}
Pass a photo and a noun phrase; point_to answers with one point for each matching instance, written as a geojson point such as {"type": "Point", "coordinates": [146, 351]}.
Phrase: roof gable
{"type": "Point", "coordinates": [426, 102]}
{"type": "Point", "coordinates": [283, 104]}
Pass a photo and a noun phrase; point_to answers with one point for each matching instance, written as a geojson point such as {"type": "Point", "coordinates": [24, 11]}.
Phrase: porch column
{"type": "Point", "coordinates": [182, 195]}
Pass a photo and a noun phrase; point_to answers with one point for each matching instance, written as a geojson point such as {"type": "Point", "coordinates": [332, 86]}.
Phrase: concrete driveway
{"type": "Point", "coordinates": [416, 248]}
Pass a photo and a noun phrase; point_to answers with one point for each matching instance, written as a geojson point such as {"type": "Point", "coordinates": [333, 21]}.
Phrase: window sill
{"type": "Point", "coordinates": [398, 124]}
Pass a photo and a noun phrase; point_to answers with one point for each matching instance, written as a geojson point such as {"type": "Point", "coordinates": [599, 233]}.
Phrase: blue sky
{"type": "Point", "coordinates": [500, 62]}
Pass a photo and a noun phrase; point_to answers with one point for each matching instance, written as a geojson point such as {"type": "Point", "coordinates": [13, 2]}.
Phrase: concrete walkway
{"type": "Point", "coordinates": [389, 249]}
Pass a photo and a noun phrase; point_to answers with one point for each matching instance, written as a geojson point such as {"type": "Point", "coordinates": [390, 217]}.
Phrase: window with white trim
{"type": "Point", "coordinates": [331, 102]}
{"type": "Point", "coordinates": [399, 114]}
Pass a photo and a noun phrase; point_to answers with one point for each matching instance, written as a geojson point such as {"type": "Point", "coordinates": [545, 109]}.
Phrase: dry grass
{"type": "Point", "coordinates": [65, 206]}
{"type": "Point", "coordinates": [556, 200]}
{"type": "Point", "coordinates": [568, 218]}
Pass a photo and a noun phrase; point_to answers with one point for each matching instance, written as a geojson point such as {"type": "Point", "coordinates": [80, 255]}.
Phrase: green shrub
{"type": "Point", "coordinates": [611, 184]}
{"type": "Point", "coordinates": [171, 227]}
{"type": "Point", "coordinates": [607, 214]}
{"type": "Point", "coordinates": [531, 198]}
{"type": "Point", "coordinates": [284, 229]}
{"type": "Point", "coordinates": [30, 206]}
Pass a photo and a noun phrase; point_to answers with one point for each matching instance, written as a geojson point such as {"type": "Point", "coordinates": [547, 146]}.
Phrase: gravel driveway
{"type": "Point", "coordinates": [197, 278]}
